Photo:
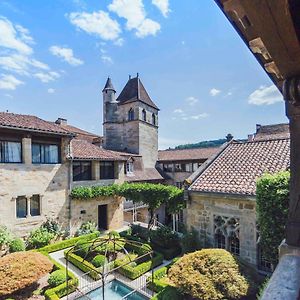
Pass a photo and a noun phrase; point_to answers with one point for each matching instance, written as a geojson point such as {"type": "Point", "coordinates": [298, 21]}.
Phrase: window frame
{"type": "Point", "coordinates": [144, 115]}
{"type": "Point", "coordinates": [81, 164]}
{"type": "Point", "coordinates": [40, 144]}
{"type": "Point", "coordinates": [26, 207]}
{"type": "Point", "coordinates": [153, 119]}
{"type": "Point", "coordinates": [39, 205]}
{"type": "Point", "coordinates": [131, 114]}
{"type": "Point", "coordinates": [102, 170]}
{"type": "Point", "coordinates": [21, 151]}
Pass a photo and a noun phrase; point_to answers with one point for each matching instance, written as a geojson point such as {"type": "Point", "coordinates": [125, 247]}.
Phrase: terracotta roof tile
{"type": "Point", "coordinates": [82, 149]}
{"type": "Point", "coordinates": [147, 174]}
{"type": "Point", "coordinates": [186, 154]}
{"type": "Point", "coordinates": [31, 123]}
{"type": "Point", "coordinates": [269, 132]}
{"type": "Point", "coordinates": [236, 169]}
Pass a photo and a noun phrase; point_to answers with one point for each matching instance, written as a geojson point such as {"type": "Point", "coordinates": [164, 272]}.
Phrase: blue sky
{"type": "Point", "coordinates": [55, 57]}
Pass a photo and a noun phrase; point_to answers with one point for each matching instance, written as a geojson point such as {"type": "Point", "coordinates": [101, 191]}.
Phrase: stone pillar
{"type": "Point", "coordinates": [291, 93]}
{"type": "Point", "coordinates": [28, 206]}
{"type": "Point", "coordinates": [26, 151]}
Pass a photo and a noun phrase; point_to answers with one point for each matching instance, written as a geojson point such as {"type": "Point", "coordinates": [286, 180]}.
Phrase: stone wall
{"type": "Point", "coordinates": [50, 181]}
{"type": "Point", "coordinates": [87, 210]}
{"type": "Point", "coordinates": [202, 208]}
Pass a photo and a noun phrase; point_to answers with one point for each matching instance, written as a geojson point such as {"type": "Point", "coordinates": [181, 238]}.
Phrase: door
{"type": "Point", "coordinates": [102, 217]}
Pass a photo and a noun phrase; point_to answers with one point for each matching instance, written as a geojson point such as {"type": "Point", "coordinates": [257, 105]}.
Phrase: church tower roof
{"type": "Point", "coordinates": [108, 85]}
{"type": "Point", "coordinates": [134, 90]}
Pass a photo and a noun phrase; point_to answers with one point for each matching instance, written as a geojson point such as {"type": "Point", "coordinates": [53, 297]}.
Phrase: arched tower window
{"type": "Point", "coordinates": [153, 119]}
{"type": "Point", "coordinates": [130, 114]}
{"type": "Point", "coordinates": [144, 115]}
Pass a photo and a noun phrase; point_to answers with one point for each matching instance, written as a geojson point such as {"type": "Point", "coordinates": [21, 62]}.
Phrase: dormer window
{"type": "Point", "coordinates": [153, 119]}
{"type": "Point", "coordinates": [144, 115]}
{"type": "Point", "coordinates": [129, 167]}
{"type": "Point", "coordinates": [130, 115]}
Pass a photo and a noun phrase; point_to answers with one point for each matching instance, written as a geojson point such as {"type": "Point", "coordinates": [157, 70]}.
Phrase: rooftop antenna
{"type": "Point", "coordinates": [137, 75]}
{"type": "Point", "coordinates": [129, 76]}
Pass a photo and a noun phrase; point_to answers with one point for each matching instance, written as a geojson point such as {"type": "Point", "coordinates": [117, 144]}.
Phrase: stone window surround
{"type": "Point", "coordinates": [28, 199]}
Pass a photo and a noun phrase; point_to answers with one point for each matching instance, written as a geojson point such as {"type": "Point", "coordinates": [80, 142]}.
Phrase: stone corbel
{"type": "Point", "coordinates": [257, 46]}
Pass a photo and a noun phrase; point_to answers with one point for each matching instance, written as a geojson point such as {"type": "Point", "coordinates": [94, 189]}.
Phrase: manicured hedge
{"type": "Point", "coordinates": [134, 272]}
{"type": "Point", "coordinates": [69, 243]}
{"type": "Point", "coordinates": [168, 253]}
{"type": "Point", "coordinates": [168, 293]}
{"type": "Point", "coordinates": [83, 265]}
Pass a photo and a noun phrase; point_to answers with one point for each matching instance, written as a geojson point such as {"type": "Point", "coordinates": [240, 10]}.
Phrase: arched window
{"type": "Point", "coordinates": [153, 119]}
{"type": "Point", "coordinates": [130, 114]}
{"type": "Point", "coordinates": [144, 115]}
{"type": "Point", "coordinates": [220, 240]}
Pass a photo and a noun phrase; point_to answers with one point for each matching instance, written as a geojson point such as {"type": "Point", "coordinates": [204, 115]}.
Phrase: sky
{"type": "Point", "coordinates": [55, 57]}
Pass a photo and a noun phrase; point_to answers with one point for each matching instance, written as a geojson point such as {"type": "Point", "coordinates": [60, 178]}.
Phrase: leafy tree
{"type": "Point", "coordinates": [272, 193]}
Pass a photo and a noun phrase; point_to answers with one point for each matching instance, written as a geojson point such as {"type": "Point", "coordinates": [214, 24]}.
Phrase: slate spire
{"type": "Point", "coordinates": [108, 85]}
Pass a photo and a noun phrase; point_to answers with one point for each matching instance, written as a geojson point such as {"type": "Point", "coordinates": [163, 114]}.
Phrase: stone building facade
{"type": "Point", "coordinates": [221, 200]}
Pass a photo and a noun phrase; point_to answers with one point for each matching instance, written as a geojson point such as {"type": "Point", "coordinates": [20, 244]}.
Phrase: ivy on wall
{"type": "Point", "coordinates": [272, 197]}
{"type": "Point", "coordinates": [153, 195]}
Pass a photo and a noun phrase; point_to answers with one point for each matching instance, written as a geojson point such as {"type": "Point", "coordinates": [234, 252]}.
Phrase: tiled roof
{"type": "Point", "coordinates": [81, 149]}
{"type": "Point", "coordinates": [31, 123]}
{"type": "Point", "coordinates": [133, 91]}
{"type": "Point", "coordinates": [80, 133]}
{"type": "Point", "coordinates": [147, 174]}
{"type": "Point", "coordinates": [236, 169]}
{"type": "Point", "coordinates": [186, 154]}
{"type": "Point", "coordinates": [108, 85]}
{"type": "Point", "coordinates": [268, 132]}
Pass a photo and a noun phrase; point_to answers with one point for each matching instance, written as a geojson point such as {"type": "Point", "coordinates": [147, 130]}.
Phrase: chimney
{"type": "Point", "coordinates": [229, 137]}
{"type": "Point", "coordinates": [250, 137]}
{"type": "Point", "coordinates": [61, 121]}
{"type": "Point", "coordinates": [258, 126]}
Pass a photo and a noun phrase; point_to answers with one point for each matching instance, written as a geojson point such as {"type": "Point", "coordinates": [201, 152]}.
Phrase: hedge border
{"type": "Point", "coordinates": [61, 290]}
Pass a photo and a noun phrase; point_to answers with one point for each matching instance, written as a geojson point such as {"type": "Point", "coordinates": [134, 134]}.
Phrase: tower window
{"type": "Point", "coordinates": [153, 119]}
{"type": "Point", "coordinates": [144, 115]}
{"type": "Point", "coordinates": [130, 115]}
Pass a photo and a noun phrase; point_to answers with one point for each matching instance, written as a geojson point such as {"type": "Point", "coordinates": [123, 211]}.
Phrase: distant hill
{"type": "Point", "coordinates": [204, 144]}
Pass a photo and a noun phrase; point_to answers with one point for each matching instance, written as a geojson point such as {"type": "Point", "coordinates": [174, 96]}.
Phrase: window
{"type": "Point", "coordinates": [195, 166]}
{"type": "Point", "coordinates": [129, 167]}
{"type": "Point", "coordinates": [220, 240]}
{"type": "Point", "coordinates": [107, 170]}
{"type": "Point", "coordinates": [10, 152]}
{"type": "Point", "coordinates": [234, 244]}
{"type": "Point", "coordinates": [82, 170]}
{"type": "Point", "coordinates": [144, 117]}
{"type": "Point", "coordinates": [262, 263]}
{"type": "Point", "coordinates": [45, 154]}
{"type": "Point", "coordinates": [153, 119]}
{"type": "Point", "coordinates": [21, 207]}
{"type": "Point", "coordinates": [168, 167]}
{"type": "Point", "coordinates": [35, 207]}
{"type": "Point", "coordinates": [130, 115]}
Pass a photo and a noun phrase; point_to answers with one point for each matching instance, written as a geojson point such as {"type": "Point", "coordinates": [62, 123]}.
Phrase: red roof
{"type": "Point", "coordinates": [186, 154]}
{"type": "Point", "coordinates": [270, 132]}
{"type": "Point", "coordinates": [31, 123]}
{"type": "Point", "coordinates": [84, 150]}
{"type": "Point", "coordinates": [236, 169]}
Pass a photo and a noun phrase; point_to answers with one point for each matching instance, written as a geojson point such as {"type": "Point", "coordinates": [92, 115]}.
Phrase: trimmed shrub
{"type": "Point", "coordinates": [16, 245]}
{"type": "Point", "coordinates": [21, 269]}
{"type": "Point", "coordinates": [209, 274]}
{"type": "Point", "coordinates": [139, 231]}
{"type": "Point", "coordinates": [272, 194]}
{"type": "Point", "coordinates": [86, 228]}
{"type": "Point", "coordinates": [168, 293]}
{"type": "Point", "coordinates": [164, 237]}
{"type": "Point", "coordinates": [56, 278]}
{"type": "Point", "coordinates": [99, 261]}
{"type": "Point", "coordinates": [82, 249]}
{"type": "Point", "coordinates": [134, 272]}
{"type": "Point", "coordinates": [167, 253]}
{"type": "Point", "coordinates": [190, 242]}
{"type": "Point", "coordinates": [39, 238]}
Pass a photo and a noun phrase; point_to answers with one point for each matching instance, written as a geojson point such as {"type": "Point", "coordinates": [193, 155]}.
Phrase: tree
{"type": "Point", "coordinates": [272, 194]}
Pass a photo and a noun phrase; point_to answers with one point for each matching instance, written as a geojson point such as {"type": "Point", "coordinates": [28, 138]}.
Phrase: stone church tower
{"type": "Point", "coordinates": [130, 121]}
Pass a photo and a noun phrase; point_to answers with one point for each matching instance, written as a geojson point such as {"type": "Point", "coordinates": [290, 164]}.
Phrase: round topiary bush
{"type": "Point", "coordinates": [56, 278]}
{"type": "Point", "coordinates": [209, 274]}
{"type": "Point", "coordinates": [22, 269]}
{"type": "Point", "coordinates": [16, 245]}
{"type": "Point", "coordinates": [99, 260]}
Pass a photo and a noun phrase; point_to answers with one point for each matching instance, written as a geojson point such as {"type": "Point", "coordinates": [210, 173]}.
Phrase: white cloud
{"type": "Point", "coordinates": [163, 6]}
{"type": "Point", "coordinates": [8, 96]}
{"type": "Point", "coordinates": [195, 117]}
{"type": "Point", "coordinates": [51, 91]}
{"type": "Point", "coordinates": [178, 111]}
{"type": "Point", "coordinates": [119, 42]}
{"type": "Point", "coordinates": [133, 11]}
{"type": "Point", "coordinates": [14, 37]}
{"type": "Point", "coordinates": [97, 23]}
{"type": "Point", "coordinates": [191, 100]}
{"type": "Point", "coordinates": [66, 54]}
{"type": "Point", "coordinates": [265, 96]}
{"type": "Point", "coordinates": [214, 92]}
{"type": "Point", "coordinates": [9, 82]}
{"type": "Point", "coordinates": [47, 77]}
{"type": "Point", "coordinates": [107, 59]}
